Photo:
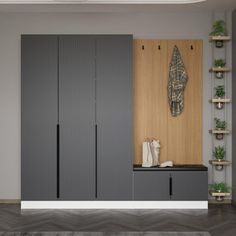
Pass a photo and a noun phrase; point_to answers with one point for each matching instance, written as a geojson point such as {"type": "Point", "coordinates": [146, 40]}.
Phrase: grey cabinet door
{"type": "Point", "coordinates": [189, 185]}
{"type": "Point", "coordinates": [151, 185]}
{"type": "Point", "coordinates": [114, 117]}
{"type": "Point", "coordinates": [38, 117]}
{"type": "Point", "coordinates": [77, 117]}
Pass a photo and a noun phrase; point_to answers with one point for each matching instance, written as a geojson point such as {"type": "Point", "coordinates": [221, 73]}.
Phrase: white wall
{"type": "Point", "coordinates": [166, 25]}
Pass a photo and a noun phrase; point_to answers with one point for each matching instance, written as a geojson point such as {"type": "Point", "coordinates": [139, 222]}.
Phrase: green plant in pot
{"type": "Point", "coordinates": [219, 153]}
{"type": "Point", "coordinates": [219, 63]}
{"type": "Point", "coordinates": [219, 29]}
{"type": "Point", "coordinates": [219, 187]}
{"type": "Point", "coordinates": [219, 93]}
{"type": "Point", "coordinates": [220, 125]}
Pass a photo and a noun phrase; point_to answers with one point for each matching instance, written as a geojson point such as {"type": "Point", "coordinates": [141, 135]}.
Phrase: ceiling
{"type": "Point", "coordinates": [208, 5]}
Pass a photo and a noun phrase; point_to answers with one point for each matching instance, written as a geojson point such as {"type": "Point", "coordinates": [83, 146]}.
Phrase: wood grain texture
{"type": "Point", "coordinates": [181, 137]}
{"type": "Point", "coordinates": [185, 131]}
{"type": "Point", "coordinates": [150, 102]}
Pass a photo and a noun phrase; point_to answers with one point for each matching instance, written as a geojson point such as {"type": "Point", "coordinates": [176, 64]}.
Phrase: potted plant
{"type": "Point", "coordinates": [219, 29]}
{"type": "Point", "coordinates": [219, 93]}
{"type": "Point", "coordinates": [219, 63]}
{"type": "Point", "coordinates": [220, 125]}
{"type": "Point", "coordinates": [219, 189]}
{"type": "Point", "coordinates": [219, 154]}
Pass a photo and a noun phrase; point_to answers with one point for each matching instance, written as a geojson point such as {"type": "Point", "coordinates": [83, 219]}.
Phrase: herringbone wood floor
{"type": "Point", "coordinates": [218, 220]}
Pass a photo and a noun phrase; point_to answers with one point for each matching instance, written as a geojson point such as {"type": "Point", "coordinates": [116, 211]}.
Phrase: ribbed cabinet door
{"type": "Point", "coordinates": [114, 117]}
{"type": "Point", "coordinates": [38, 117]}
{"type": "Point", "coordinates": [77, 117]}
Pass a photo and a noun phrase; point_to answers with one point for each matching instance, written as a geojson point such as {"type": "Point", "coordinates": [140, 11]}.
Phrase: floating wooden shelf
{"type": "Point", "coordinates": [219, 69]}
{"type": "Point", "coordinates": [223, 100]}
{"type": "Point", "coordinates": [216, 131]}
{"type": "Point", "coordinates": [221, 163]}
{"type": "Point", "coordinates": [217, 194]}
{"type": "Point", "coordinates": [219, 38]}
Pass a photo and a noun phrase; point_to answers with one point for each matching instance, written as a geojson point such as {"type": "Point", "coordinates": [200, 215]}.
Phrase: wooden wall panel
{"type": "Point", "coordinates": [181, 137]}
{"type": "Point", "coordinates": [185, 131]}
{"type": "Point", "coordinates": [160, 109]}
{"type": "Point", "coordinates": [143, 97]}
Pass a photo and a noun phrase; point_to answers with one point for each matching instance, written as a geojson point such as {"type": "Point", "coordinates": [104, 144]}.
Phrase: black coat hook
{"type": "Point", "coordinates": [142, 47]}
{"type": "Point", "coordinates": [191, 47]}
{"type": "Point", "coordinates": [159, 47]}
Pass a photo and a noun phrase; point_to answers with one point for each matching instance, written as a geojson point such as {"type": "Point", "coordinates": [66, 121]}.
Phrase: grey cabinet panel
{"type": "Point", "coordinates": [189, 185]}
{"type": "Point", "coordinates": [171, 185]}
{"type": "Point", "coordinates": [38, 117]}
{"type": "Point", "coordinates": [77, 117]}
{"type": "Point", "coordinates": [114, 117]}
{"type": "Point", "coordinates": [151, 185]}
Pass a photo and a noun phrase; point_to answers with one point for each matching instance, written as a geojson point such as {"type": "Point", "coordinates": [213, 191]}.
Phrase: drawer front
{"type": "Point", "coordinates": [151, 185]}
{"type": "Point", "coordinates": [189, 185]}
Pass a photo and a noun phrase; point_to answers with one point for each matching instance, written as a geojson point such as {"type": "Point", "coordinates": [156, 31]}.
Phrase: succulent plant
{"type": "Point", "coordinates": [220, 91]}
{"type": "Point", "coordinates": [220, 124]}
{"type": "Point", "coordinates": [219, 63]}
{"type": "Point", "coordinates": [219, 153]}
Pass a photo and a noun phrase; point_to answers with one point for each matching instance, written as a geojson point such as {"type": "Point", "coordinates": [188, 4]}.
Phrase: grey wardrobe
{"type": "Point", "coordinates": [76, 117]}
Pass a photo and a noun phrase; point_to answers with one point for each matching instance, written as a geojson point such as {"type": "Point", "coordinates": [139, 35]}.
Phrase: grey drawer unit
{"type": "Point", "coordinates": [179, 183]}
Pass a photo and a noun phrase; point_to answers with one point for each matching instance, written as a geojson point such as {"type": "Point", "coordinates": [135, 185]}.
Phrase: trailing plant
{"type": "Point", "coordinates": [220, 91]}
{"type": "Point", "coordinates": [219, 28]}
{"type": "Point", "coordinates": [219, 187]}
{"type": "Point", "coordinates": [219, 63]}
{"type": "Point", "coordinates": [219, 153]}
{"type": "Point", "coordinates": [220, 124]}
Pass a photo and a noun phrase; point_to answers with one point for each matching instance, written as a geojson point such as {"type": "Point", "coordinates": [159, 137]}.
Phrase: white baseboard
{"type": "Point", "coordinates": [114, 204]}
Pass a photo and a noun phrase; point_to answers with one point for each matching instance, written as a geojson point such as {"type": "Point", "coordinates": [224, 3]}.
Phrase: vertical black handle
{"type": "Point", "coordinates": [58, 160]}
{"type": "Point", "coordinates": [170, 186]}
{"type": "Point", "coordinates": [96, 148]}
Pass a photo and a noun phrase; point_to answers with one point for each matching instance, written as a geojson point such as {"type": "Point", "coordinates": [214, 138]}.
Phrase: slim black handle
{"type": "Point", "coordinates": [96, 148]}
{"type": "Point", "coordinates": [58, 160]}
{"type": "Point", "coordinates": [170, 186]}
